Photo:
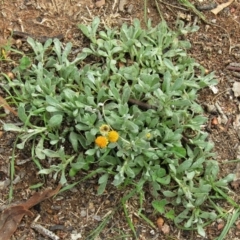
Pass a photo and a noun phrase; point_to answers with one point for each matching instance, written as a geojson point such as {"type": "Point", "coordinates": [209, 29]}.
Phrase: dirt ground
{"type": "Point", "coordinates": [76, 213]}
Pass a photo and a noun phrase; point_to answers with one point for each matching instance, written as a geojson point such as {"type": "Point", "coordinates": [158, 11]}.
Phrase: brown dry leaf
{"type": "Point", "coordinates": [235, 184]}
{"type": "Point", "coordinates": [160, 223]}
{"type": "Point", "coordinates": [165, 228]}
{"type": "Point", "coordinates": [238, 225]}
{"type": "Point", "coordinates": [121, 64]}
{"type": "Point", "coordinates": [12, 216]}
{"type": "Point", "coordinates": [220, 225]}
{"type": "Point", "coordinates": [220, 7]}
{"type": "Point", "coordinates": [6, 107]}
{"type": "Point", "coordinates": [100, 3]}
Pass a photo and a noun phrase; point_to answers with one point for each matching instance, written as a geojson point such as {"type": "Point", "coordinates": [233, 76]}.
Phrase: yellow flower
{"type": "Point", "coordinates": [148, 135]}
{"type": "Point", "coordinates": [101, 141]}
{"type": "Point", "coordinates": [113, 136]}
{"type": "Point", "coordinates": [104, 129]}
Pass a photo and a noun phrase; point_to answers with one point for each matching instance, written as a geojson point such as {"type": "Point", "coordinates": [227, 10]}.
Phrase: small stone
{"type": "Point", "coordinates": [152, 232]}
{"type": "Point", "coordinates": [91, 207]}
{"type": "Point", "coordinates": [130, 8]}
{"type": "Point", "coordinates": [75, 236]}
{"type": "Point", "coordinates": [236, 89]}
{"type": "Point", "coordinates": [96, 217]}
{"type": "Point", "coordinates": [121, 5]}
{"type": "Point", "coordinates": [214, 20]}
{"type": "Point", "coordinates": [83, 213]}
{"type": "Point", "coordinates": [100, 3]}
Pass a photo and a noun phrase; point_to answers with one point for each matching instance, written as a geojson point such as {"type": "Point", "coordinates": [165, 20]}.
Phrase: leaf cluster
{"type": "Point", "coordinates": [143, 84]}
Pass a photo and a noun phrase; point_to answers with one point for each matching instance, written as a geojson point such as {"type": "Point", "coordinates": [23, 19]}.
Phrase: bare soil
{"type": "Point", "coordinates": [79, 211]}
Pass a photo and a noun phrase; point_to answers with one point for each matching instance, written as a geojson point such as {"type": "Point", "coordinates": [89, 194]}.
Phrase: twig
{"type": "Point", "coordinates": [213, 100]}
{"type": "Point", "coordinates": [42, 230]}
{"type": "Point", "coordinates": [114, 4]}
{"type": "Point", "coordinates": [142, 105]}
{"type": "Point", "coordinates": [237, 69]}
{"type": "Point", "coordinates": [229, 121]}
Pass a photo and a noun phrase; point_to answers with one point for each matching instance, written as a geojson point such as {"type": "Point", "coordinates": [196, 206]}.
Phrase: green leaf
{"type": "Point", "coordinates": [50, 153]}
{"type": "Point", "coordinates": [103, 182]}
{"type": "Point", "coordinates": [39, 148]}
{"type": "Point", "coordinates": [25, 62]}
{"type": "Point", "coordinates": [179, 151]}
{"type": "Point", "coordinates": [131, 126]}
{"type": "Point", "coordinates": [55, 121]}
{"type": "Point", "coordinates": [201, 230]}
{"type": "Point", "coordinates": [126, 94]}
{"type": "Point", "coordinates": [35, 186]}
{"type": "Point", "coordinates": [73, 138]}
{"type": "Point", "coordinates": [170, 214]}
{"type": "Point", "coordinates": [22, 114]}
{"type": "Point", "coordinates": [169, 194]}
{"type": "Point", "coordinates": [159, 205]}
{"type": "Point", "coordinates": [90, 152]}
{"type": "Point", "coordinates": [184, 166]}
{"type": "Point", "coordinates": [168, 63]}
{"type": "Point", "coordinates": [12, 127]}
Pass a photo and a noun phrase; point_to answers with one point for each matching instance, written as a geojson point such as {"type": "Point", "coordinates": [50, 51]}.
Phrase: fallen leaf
{"type": "Point", "coordinates": [100, 3]}
{"type": "Point", "coordinates": [165, 228]}
{"type": "Point", "coordinates": [121, 64]}
{"type": "Point", "coordinates": [12, 216]}
{"type": "Point", "coordinates": [238, 225]}
{"type": "Point", "coordinates": [220, 7]}
{"type": "Point", "coordinates": [220, 225]}
{"type": "Point", "coordinates": [160, 223]}
{"type": "Point", "coordinates": [6, 107]}
{"type": "Point", "coordinates": [235, 184]}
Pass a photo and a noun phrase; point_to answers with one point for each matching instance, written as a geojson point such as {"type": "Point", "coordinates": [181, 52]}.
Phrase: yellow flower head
{"type": "Point", "coordinates": [101, 141]}
{"type": "Point", "coordinates": [113, 136]}
{"type": "Point", "coordinates": [104, 129]}
{"type": "Point", "coordinates": [148, 135]}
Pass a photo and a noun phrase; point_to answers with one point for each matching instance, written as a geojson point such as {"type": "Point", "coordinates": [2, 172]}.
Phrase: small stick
{"type": "Point", "coordinates": [229, 121]}
{"type": "Point", "coordinates": [142, 105]}
{"type": "Point", "coordinates": [42, 230]}
{"type": "Point", "coordinates": [237, 69]}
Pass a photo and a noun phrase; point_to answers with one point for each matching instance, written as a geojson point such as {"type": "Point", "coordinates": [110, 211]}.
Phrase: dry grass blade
{"type": "Point", "coordinates": [6, 106]}
{"type": "Point", "coordinates": [220, 7]}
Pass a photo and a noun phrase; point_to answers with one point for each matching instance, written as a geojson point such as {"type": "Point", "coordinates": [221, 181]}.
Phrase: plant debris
{"type": "Point", "coordinates": [12, 216]}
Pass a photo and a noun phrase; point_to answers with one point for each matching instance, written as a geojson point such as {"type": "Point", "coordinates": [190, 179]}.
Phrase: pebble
{"type": "Point", "coordinates": [96, 217]}
{"type": "Point", "coordinates": [4, 184]}
{"type": "Point", "coordinates": [130, 8]}
{"type": "Point", "coordinates": [75, 236]}
{"type": "Point", "coordinates": [121, 5]}
{"type": "Point", "coordinates": [83, 213]}
{"type": "Point", "coordinates": [91, 207]}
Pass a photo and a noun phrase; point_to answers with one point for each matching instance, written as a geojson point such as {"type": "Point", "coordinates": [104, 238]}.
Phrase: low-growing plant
{"type": "Point", "coordinates": [126, 106]}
